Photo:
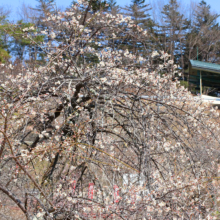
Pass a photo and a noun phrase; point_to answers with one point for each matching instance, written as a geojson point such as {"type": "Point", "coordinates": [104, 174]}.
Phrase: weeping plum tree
{"type": "Point", "coordinates": [113, 139]}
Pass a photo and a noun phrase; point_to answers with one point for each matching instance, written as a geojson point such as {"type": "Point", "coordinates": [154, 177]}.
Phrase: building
{"type": "Point", "coordinates": [205, 78]}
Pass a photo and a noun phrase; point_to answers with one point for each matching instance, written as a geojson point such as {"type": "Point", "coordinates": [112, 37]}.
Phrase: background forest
{"type": "Point", "coordinates": [173, 28]}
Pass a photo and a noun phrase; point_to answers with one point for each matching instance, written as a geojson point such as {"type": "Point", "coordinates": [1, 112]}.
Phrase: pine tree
{"type": "Point", "coordinates": [172, 32]}
{"type": "Point", "coordinates": [113, 7]}
{"type": "Point", "coordinates": [204, 34]}
{"type": "Point", "coordinates": [4, 53]}
{"type": "Point", "coordinates": [94, 5]}
{"type": "Point", "coordinates": [139, 12]}
{"type": "Point", "coordinates": [43, 9]}
{"type": "Point", "coordinates": [22, 48]}
{"type": "Point", "coordinates": [204, 17]}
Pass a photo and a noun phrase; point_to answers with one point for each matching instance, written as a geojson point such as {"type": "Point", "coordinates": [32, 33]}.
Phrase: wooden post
{"type": "Point", "coordinates": [200, 83]}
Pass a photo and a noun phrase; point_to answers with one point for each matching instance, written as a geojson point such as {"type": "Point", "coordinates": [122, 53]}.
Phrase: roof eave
{"type": "Point", "coordinates": [205, 69]}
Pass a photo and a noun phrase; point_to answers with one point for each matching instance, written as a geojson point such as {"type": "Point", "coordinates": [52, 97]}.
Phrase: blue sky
{"type": "Point", "coordinates": [14, 4]}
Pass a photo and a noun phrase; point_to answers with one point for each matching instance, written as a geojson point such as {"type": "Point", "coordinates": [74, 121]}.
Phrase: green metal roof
{"type": "Point", "coordinates": [205, 66]}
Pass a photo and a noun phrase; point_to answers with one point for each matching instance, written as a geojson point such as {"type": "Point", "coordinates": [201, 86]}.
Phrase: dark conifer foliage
{"type": "Point", "coordinates": [203, 34]}
{"type": "Point", "coordinates": [175, 32]}
{"type": "Point", "coordinates": [139, 11]}
{"type": "Point", "coordinates": [172, 31]}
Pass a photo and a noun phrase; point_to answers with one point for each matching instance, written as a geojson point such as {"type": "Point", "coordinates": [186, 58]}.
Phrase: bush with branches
{"type": "Point", "coordinates": [99, 133]}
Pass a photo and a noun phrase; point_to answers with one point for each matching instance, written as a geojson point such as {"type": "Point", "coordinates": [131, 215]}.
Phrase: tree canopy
{"type": "Point", "coordinates": [115, 137]}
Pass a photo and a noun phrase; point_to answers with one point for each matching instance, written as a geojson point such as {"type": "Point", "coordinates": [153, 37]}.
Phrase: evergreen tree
{"type": "Point", "coordinates": [204, 34]}
{"type": "Point", "coordinates": [204, 17]}
{"type": "Point", "coordinates": [24, 48]}
{"type": "Point", "coordinates": [172, 31]}
{"type": "Point", "coordinates": [97, 5]}
{"type": "Point", "coordinates": [113, 7]}
{"type": "Point", "coordinates": [139, 12]}
{"type": "Point", "coordinates": [43, 9]}
{"type": "Point", "coordinates": [4, 53]}
{"type": "Point", "coordinates": [94, 5]}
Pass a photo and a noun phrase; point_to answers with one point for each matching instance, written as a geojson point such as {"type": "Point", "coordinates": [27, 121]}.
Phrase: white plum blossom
{"type": "Point", "coordinates": [52, 35]}
{"type": "Point", "coordinates": [154, 54]}
{"type": "Point", "coordinates": [98, 131]}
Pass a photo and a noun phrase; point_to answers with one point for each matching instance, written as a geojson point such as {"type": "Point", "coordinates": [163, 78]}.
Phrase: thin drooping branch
{"type": "Point", "coordinates": [16, 200]}
{"type": "Point", "coordinates": [4, 139]}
